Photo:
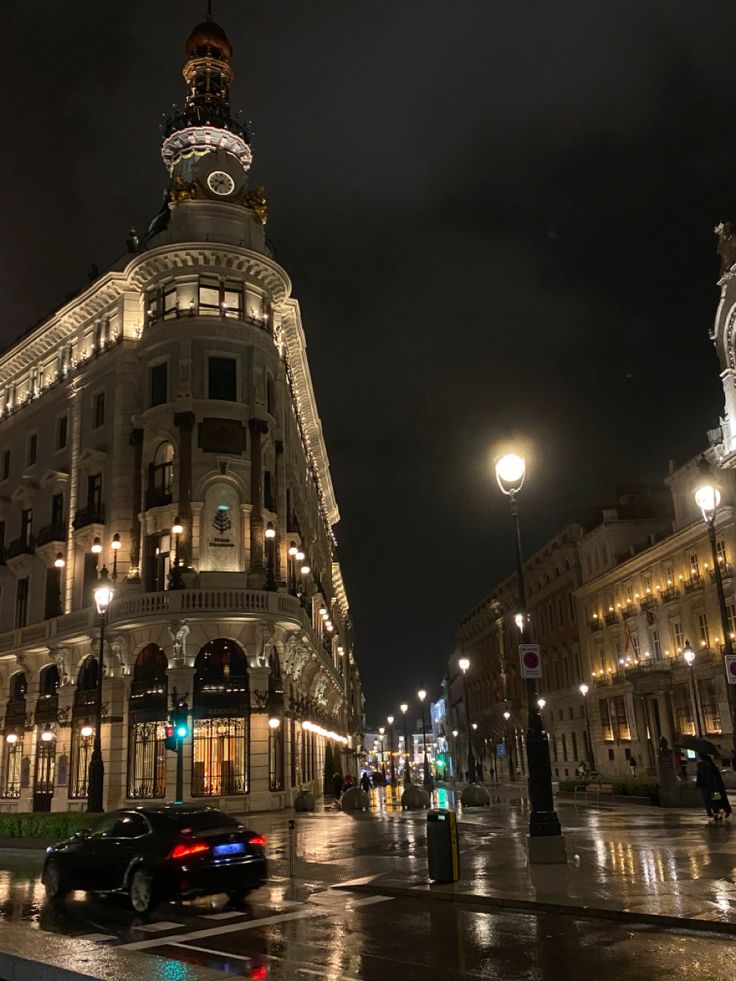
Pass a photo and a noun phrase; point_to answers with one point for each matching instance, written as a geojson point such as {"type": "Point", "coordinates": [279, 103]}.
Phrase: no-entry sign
{"type": "Point", "coordinates": [731, 668]}
{"type": "Point", "coordinates": [531, 661]}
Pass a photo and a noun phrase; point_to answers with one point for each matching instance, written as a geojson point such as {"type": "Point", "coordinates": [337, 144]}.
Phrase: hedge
{"type": "Point", "coordinates": [622, 786]}
{"type": "Point", "coordinates": [61, 824]}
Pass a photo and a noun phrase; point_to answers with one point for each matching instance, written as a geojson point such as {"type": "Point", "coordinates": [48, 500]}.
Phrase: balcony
{"type": "Point", "coordinates": [21, 546]}
{"type": "Point", "coordinates": [596, 624]}
{"type": "Point", "coordinates": [51, 533]}
{"type": "Point", "coordinates": [726, 571]}
{"type": "Point", "coordinates": [611, 617]}
{"type": "Point", "coordinates": [695, 582]}
{"type": "Point", "coordinates": [629, 610]}
{"type": "Point", "coordinates": [648, 602]}
{"type": "Point", "coordinates": [93, 514]}
{"type": "Point", "coordinates": [669, 594]}
{"type": "Point", "coordinates": [157, 498]}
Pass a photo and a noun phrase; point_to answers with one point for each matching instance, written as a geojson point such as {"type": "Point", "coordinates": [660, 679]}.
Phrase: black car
{"type": "Point", "coordinates": [156, 853]}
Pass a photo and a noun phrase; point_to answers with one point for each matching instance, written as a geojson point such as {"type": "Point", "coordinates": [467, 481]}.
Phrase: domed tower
{"type": "Point", "coordinates": [207, 151]}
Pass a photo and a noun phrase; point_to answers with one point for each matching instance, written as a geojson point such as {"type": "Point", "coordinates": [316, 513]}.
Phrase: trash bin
{"type": "Point", "coordinates": [443, 851]}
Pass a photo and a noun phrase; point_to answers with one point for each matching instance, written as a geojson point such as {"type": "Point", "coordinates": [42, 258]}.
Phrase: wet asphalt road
{"type": "Point", "coordinates": [341, 935]}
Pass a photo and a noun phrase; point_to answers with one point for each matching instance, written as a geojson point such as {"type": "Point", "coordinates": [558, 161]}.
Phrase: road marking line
{"type": "Point", "coordinates": [363, 881]}
{"type": "Point", "coordinates": [96, 938]}
{"type": "Point", "coordinates": [161, 926]}
{"type": "Point", "coordinates": [215, 953]}
{"type": "Point", "coordinates": [228, 915]}
{"type": "Point", "coordinates": [302, 914]}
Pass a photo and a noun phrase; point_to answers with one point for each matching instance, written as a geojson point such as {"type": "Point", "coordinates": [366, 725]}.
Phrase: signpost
{"type": "Point", "coordinates": [731, 668]}
{"type": "Point", "coordinates": [530, 660]}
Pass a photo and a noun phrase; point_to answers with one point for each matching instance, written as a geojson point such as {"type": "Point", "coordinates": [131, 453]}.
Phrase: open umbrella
{"type": "Point", "coordinates": [699, 745]}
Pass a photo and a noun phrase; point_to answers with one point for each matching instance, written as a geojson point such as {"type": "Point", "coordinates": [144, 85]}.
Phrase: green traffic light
{"type": "Point", "coordinates": [182, 732]}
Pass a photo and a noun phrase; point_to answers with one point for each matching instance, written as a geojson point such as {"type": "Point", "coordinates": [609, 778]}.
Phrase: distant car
{"type": "Point", "coordinates": [155, 853]}
{"type": "Point", "coordinates": [729, 779]}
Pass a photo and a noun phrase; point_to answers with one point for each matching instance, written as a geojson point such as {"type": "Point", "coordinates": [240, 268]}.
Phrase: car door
{"type": "Point", "coordinates": [117, 848]}
{"type": "Point", "coordinates": [85, 855]}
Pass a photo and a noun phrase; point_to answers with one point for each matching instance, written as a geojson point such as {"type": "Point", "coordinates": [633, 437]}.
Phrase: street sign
{"type": "Point", "coordinates": [500, 751]}
{"type": "Point", "coordinates": [731, 668]}
{"type": "Point", "coordinates": [531, 661]}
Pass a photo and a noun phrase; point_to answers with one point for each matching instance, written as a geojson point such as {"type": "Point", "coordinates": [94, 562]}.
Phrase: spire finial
{"type": "Point", "coordinates": [209, 8]}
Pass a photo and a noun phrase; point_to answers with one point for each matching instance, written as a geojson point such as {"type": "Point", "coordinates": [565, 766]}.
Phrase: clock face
{"type": "Point", "coordinates": [220, 183]}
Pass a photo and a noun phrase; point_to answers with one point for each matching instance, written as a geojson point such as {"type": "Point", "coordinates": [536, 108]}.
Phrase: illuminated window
{"type": "Point", "coordinates": [147, 760]}
{"type": "Point", "coordinates": [703, 634]}
{"type": "Point", "coordinates": [219, 765]}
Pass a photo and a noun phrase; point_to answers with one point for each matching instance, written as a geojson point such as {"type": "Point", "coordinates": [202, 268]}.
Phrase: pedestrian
{"type": "Point", "coordinates": [365, 783]}
{"type": "Point", "coordinates": [336, 784]}
{"type": "Point", "coordinates": [633, 765]}
{"type": "Point", "coordinates": [710, 783]}
{"type": "Point", "coordinates": [347, 782]}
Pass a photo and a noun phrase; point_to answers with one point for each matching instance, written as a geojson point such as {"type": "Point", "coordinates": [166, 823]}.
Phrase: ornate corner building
{"type": "Point", "coordinates": [163, 424]}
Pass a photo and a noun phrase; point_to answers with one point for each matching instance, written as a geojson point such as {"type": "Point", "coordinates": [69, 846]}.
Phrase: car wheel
{"type": "Point", "coordinates": [53, 880]}
{"type": "Point", "coordinates": [140, 891]}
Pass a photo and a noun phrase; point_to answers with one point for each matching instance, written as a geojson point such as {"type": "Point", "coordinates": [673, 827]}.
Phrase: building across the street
{"type": "Point", "coordinates": [162, 424]}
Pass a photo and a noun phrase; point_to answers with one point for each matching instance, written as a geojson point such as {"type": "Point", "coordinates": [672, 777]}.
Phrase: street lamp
{"type": "Point", "coordinates": [464, 664]}
{"type": "Point", "coordinates": [175, 580]}
{"type": "Point", "coordinates": [381, 731]}
{"type": "Point", "coordinates": [428, 782]}
{"type": "Point", "coordinates": [59, 564]}
{"type": "Point", "coordinates": [104, 592]}
{"type": "Point", "coordinates": [390, 720]}
{"type": "Point", "coordinates": [116, 545]}
{"type": "Point", "coordinates": [708, 497]}
{"type": "Point", "coordinates": [292, 553]}
{"type": "Point", "coordinates": [270, 535]}
{"type": "Point", "coordinates": [543, 820]}
{"type": "Point", "coordinates": [583, 689]}
{"type": "Point", "coordinates": [454, 755]}
{"type": "Point", "coordinates": [689, 655]}
{"type": "Point", "coordinates": [407, 768]}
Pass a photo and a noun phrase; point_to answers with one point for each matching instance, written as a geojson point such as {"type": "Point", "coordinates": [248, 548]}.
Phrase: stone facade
{"type": "Point", "coordinates": [173, 392]}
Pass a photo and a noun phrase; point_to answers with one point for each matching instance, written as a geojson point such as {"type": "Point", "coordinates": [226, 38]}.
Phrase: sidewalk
{"type": "Point", "coordinates": [637, 861]}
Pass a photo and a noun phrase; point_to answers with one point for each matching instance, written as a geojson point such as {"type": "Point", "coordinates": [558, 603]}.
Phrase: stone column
{"type": "Point", "coordinates": [115, 693]}
{"type": "Point", "coordinates": [60, 800]}
{"type": "Point", "coordinates": [280, 504]}
{"type": "Point", "coordinates": [185, 423]}
{"type": "Point", "coordinates": [134, 574]}
{"type": "Point", "coordinates": [259, 792]}
{"type": "Point", "coordinates": [257, 568]}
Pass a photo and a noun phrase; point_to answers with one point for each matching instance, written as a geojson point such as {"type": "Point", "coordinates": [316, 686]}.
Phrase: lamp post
{"type": "Point", "coordinates": [270, 535]}
{"type": "Point", "coordinates": [292, 552]}
{"type": "Point", "coordinates": [507, 742]}
{"type": "Point", "coordinates": [59, 564]}
{"type": "Point", "coordinates": [464, 664]}
{"type": "Point", "coordinates": [116, 545]}
{"type": "Point", "coordinates": [381, 733]}
{"type": "Point", "coordinates": [708, 497]}
{"type": "Point", "coordinates": [175, 580]}
{"type": "Point", "coordinates": [407, 767]}
{"type": "Point", "coordinates": [103, 593]}
{"type": "Point", "coordinates": [390, 720]}
{"type": "Point", "coordinates": [689, 655]}
{"type": "Point", "coordinates": [543, 820]}
{"type": "Point", "coordinates": [428, 782]}
{"type": "Point", "coordinates": [583, 689]}
{"type": "Point", "coordinates": [454, 755]}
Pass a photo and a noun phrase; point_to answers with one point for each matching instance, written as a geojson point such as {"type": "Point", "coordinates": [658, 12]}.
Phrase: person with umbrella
{"type": "Point", "coordinates": [710, 783]}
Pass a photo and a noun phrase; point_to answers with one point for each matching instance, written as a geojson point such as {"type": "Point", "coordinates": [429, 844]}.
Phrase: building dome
{"type": "Point", "coordinates": [208, 38]}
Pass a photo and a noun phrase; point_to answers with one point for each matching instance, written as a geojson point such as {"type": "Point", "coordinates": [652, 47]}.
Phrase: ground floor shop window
{"type": "Point", "coordinates": [219, 765]}
{"type": "Point", "coordinates": [11, 764]}
{"type": "Point", "coordinates": [147, 760]}
{"type": "Point", "coordinates": [81, 751]}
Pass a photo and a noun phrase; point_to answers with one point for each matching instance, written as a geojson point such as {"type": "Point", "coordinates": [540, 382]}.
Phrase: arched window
{"type": "Point", "coordinates": [48, 682]}
{"type": "Point", "coordinates": [18, 687]}
{"type": "Point", "coordinates": [87, 678]}
{"type": "Point", "coordinates": [220, 747]}
{"type": "Point", "coordinates": [150, 665]}
{"type": "Point", "coordinates": [148, 716]}
{"type": "Point", "coordinates": [161, 476]}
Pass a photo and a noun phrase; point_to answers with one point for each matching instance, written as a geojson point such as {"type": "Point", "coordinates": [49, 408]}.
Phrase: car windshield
{"type": "Point", "coordinates": [203, 821]}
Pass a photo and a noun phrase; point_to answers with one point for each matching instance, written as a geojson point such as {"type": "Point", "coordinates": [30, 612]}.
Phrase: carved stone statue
{"type": "Point", "coordinates": [120, 652]}
{"type": "Point", "coordinates": [726, 247]}
{"type": "Point", "coordinates": [264, 645]}
{"type": "Point", "coordinates": [62, 658]}
{"type": "Point", "coordinates": [178, 631]}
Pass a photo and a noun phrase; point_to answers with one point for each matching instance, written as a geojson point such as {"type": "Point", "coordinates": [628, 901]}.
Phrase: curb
{"type": "Point", "coordinates": [533, 907]}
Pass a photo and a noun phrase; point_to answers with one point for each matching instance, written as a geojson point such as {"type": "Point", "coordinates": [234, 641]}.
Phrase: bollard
{"type": "Point", "coordinates": [292, 846]}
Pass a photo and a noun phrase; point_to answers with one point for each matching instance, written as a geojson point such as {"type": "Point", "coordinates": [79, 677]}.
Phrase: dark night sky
{"type": "Point", "coordinates": [493, 215]}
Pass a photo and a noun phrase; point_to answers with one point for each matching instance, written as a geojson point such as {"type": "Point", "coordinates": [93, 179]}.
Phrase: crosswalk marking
{"type": "Point", "coordinates": [161, 926]}
{"type": "Point", "coordinates": [227, 915]}
{"type": "Point", "coordinates": [96, 938]}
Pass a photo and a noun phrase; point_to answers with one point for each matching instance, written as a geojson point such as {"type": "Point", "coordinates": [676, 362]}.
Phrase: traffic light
{"type": "Point", "coordinates": [170, 740]}
{"type": "Point", "coordinates": [441, 762]}
{"type": "Point", "coordinates": [180, 719]}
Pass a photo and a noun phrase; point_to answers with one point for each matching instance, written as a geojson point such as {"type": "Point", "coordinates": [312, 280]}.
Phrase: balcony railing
{"type": "Point", "coordinates": [648, 602]}
{"type": "Point", "coordinates": [696, 581]}
{"type": "Point", "coordinates": [93, 514]}
{"type": "Point", "coordinates": [726, 571]}
{"type": "Point", "coordinates": [649, 666]}
{"type": "Point", "coordinates": [611, 617]}
{"type": "Point", "coordinates": [629, 610]}
{"type": "Point", "coordinates": [596, 624]}
{"type": "Point", "coordinates": [51, 533]}
{"type": "Point", "coordinates": [21, 546]}
{"type": "Point", "coordinates": [669, 594]}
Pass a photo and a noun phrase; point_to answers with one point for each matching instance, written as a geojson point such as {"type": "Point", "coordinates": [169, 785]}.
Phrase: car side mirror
{"type": "Point", "coordinates": [82, 834]}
